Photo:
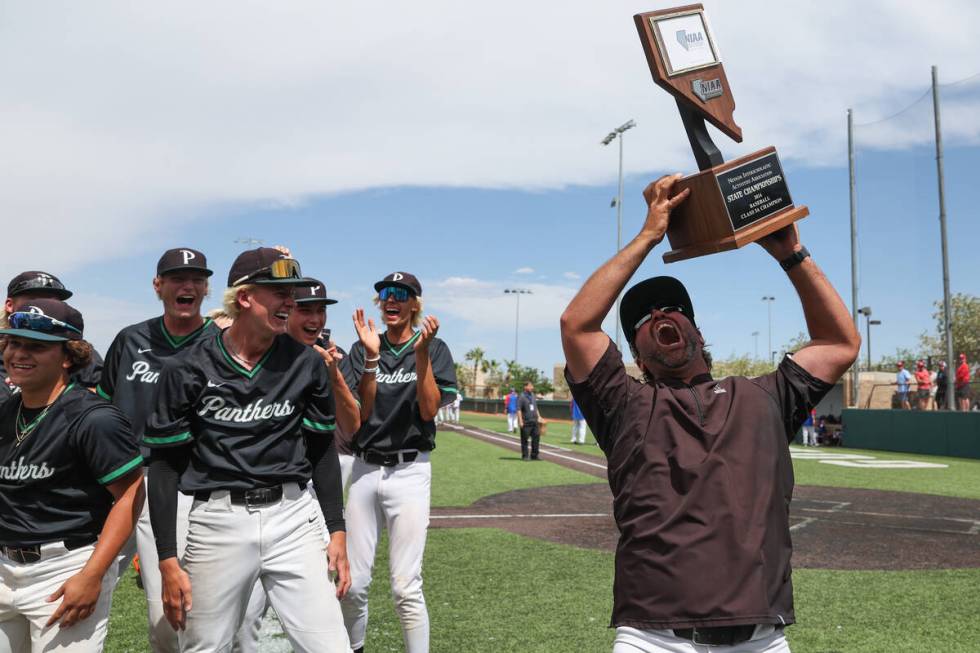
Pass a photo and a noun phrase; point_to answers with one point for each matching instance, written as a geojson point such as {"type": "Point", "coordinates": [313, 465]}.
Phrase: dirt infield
{"type": "Point", "coordinates": [833, 528]}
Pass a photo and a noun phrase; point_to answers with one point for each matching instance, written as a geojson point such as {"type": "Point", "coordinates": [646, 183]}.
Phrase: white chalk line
{"type": "Point", "coordinates": [577, 515]}
{"type": "Point", "coordinates": [512, 442]}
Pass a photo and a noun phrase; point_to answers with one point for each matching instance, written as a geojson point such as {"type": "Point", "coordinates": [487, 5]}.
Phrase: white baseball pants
{"type": "Point", "coordinates": [24, 609]}
{"type": "Point", "coordinates": [397, 498]}
{"type": "Point", "coordinates": [578, 431]}
{"type": "Point", "coordinates": [281, 545]}
{"type": "Point", "coordinates": [346, 467]}
{"type": "Point", "coordinates": [631, 640]}
{"type": "Point", "coordinates": [511, 422]}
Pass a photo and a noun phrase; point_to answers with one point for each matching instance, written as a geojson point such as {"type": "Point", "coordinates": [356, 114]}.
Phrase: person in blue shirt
{"type": "Point", "coordinates": [902, 380]}
{"type": "Point", "coordinates": [578, 425]}
{"type": "Point", "coordinates": [510, 401]}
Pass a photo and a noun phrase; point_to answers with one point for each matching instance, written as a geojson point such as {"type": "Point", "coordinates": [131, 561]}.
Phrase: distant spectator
{"type": "Point", "coordinates": [454, 408]}
{"type": "Point", "coordinates": [941, 387]}
{"type": "Point", "coordinates": [578, 424]}
{"type": "Point", "coordinates": [923, 380]}
{"type": "Point", "coordinates": [511, 402]}
{"type": "Point", "coordinates": [902, 380]}
{"type": "Point", "coordinates": [962, 384]}
{"type": "Point", "coordinates": [810, 429]}
{"type": "Point", "coordinates": [529, 422]}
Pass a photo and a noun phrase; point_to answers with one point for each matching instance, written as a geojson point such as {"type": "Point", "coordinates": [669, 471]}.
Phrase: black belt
{"type": "Point", "coordinates": [252, 498]}
{"type": "Point", "coordinates": [26, 554]}
{"type": "Point", "coordinates": [388, 459]}
{"type": "Point", "coordinates": [717, 635]}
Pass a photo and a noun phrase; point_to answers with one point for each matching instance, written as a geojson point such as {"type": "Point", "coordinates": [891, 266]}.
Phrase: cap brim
{"type": "Point", "coordinates": [32, 335]}
{"type": "Point", "coordinates": [316, 300]}
{"type": "Point", "coordinates": [206, 271]}
{"type": "Point", "coordinates": [304, 282]}
{"type": "Point", "coordinates": [56, 293]}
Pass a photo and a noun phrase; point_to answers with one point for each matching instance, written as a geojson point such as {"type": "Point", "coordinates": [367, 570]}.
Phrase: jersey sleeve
{"type": "Point", "coordinates": [169, 424]}
{"type": "Point", "coordinates": [318, 415]}
{"type": "Point", "coordinates": [110, 368]}
{"type": "Point", "coordinates": [444, 371]}
{"type": "Point", "coordinates": [347, 371]}
{"type": "Point", "coordinates": [603, 394]}
{"type": "Point", "coordinates": [796, 392]}
{"type": "Point", "coordinates": [103, 440]}
{"type": "Point", "coordinates": [356, 362]}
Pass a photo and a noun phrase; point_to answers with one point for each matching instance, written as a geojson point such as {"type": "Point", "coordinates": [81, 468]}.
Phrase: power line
{"type": "Point", "coordinates": [919, 99]}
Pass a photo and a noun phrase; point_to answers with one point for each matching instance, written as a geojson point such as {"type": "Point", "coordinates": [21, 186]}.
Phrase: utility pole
{"type": "Point", "coordinates": [618, 133]}
{"type": "Point", "coordinates": [947, 310]}
{"type": "Point", "coordinates": [854, 263]}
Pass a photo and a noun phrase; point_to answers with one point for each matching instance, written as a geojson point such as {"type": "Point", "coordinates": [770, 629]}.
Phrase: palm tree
{"type": "Point", "coordinates": [477, 356]}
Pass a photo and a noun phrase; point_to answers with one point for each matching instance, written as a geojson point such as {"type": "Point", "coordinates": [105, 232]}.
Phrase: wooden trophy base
{"type": "Point", "coordinates": [730, 206]}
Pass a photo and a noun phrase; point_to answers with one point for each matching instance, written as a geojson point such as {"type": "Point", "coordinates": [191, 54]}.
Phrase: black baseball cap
{"type": "Point", "coordinates": [313, 294]}
{"type": "Point", "coordinates": [37, 281]}
{"type": "Point", "coordinates": [50, 320]}
{"type": "Point", "coordinates": [401, 280]}
{"type": "Point", "coordinates": [183, 258]}
{"type": "Point", "coordinates": [645, 296]}
{"type": "Point", "coordinates": [266, 266]}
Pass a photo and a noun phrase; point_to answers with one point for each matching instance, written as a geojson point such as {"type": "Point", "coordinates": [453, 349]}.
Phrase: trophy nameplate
{"type": "Point", "coordinates": [732, 203]}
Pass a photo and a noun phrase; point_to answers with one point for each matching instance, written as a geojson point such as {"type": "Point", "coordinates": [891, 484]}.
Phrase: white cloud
{"type": "Point", "coordinates": [485, 305]}
{"type": "Point", "coordinates": [524, 270]}
{"type": "Point", "coordinates": [571, 275]}
{"type": "Point", "coordinates": [128, 119]}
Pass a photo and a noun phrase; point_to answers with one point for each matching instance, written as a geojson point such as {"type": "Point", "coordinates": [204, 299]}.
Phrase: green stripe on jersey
{"type": "Point", "coordinates": [170, 439]}
{"type": "Point", "coordinates": [102, 393]}
{"type": "Point", "coordinates": [111, 476]}
{"type": "Point", "coordinates": [317, 426]}
{"type": "Point", "coordinates": [450, 389]}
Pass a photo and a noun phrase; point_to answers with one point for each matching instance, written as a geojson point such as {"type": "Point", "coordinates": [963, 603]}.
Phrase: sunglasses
{"type": "Point", "coordinates": [283, 268]}
{"type": "Point", "coordinates": [663, 309]}
{"type": "Point", "coordinates": [39, 322]}
{"type": "Point", "coordinates": [394, 292]}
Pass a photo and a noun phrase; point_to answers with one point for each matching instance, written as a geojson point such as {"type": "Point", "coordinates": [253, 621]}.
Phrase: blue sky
{"type": "Point", "coordinates": [470, 160]}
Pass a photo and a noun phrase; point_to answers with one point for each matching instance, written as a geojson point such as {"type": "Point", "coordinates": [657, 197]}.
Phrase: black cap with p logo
{"type": "Point", "coordinates": [313, 294]}
{"type": "Point", "coordinates": [183, 258]}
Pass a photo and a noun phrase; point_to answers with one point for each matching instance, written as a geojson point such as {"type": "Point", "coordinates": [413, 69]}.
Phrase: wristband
{"type": "Point", "coordinates": [795, 259]}
{"type": "Point", "coordinates": [371, 370]}
{"type": "Point", "coordinates": [373, 360]}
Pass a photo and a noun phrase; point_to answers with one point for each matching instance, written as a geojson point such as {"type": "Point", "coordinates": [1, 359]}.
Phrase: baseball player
{"type": "Point", "coordinates": [129, 380]}
{"type": "Point", "coordinates": [242, 421]}
{"type": "Point", "coordinates": [392, 475]}
{"type": "Point", "coordinates": [31, 285]}
{"type": "Point", "coordinates": [70, 488]}
{"type": "Point", "coordinates": [307, 324]}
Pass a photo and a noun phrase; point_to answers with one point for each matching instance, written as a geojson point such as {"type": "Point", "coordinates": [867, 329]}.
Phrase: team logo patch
{"type": "Point", "coordinates": [18, 470]}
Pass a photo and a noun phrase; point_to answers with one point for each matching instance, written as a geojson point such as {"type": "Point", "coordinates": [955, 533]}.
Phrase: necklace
{"type": "Point", "coordinates": [234, 354]}
{"type": "Point", "coordinates": [23, 430]}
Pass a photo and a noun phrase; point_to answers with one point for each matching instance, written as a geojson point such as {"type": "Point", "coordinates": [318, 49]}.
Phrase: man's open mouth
{"type": "Point", "coordinates": [666, 333]}
{"type": "Point", "coordinates": [392, 312]}
{"type": "Point", "coordinates": [185, 300]}
{"type": "Point", "coordinates": [281, 315]}
{"type": "Point", "coordinates": [21, 366]}
{"type": "Point", "coordinates": [313, 331]}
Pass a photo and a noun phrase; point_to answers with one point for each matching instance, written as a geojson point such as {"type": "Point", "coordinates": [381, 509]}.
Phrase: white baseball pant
{"type": "Point", "coordinates": [578, 431]}
{"type": "Point", "coordinates": [397, 498]}
{"type": "Point", "coordinates": [767, 639]}
{"type": "Point", "coordinates": [24, 608]}
{"type": "Point", "coordinates": [346, 467]}
{"type": "Point", "coordinates": [281, 544]}
{"type": "Point", "coordinates": [511, 422]}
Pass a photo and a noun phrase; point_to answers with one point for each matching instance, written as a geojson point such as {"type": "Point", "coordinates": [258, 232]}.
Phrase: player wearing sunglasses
{"type": "Point", "coordinates": [70, 488]}
{"type": "Point", "coordinates": [392, 475]}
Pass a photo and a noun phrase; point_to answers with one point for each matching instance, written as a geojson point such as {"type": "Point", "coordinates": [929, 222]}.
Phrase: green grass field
{"type": "Point", "coordinates": [492, 591]}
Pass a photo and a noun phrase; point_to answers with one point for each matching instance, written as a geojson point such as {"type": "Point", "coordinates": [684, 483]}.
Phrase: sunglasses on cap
{"type": "Point", "coordinates": [283, 268]}
{"type": "Point", "coordinates": [663, 309]}
{"type": "Point", "coordinates": [38, 322]}
{"type": "Point", "coordinates": [397, 293]}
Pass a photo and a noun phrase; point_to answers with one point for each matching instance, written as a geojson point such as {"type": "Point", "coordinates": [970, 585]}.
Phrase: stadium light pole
{"type": "Point", "coordinates": [517, 292]}
{"type": "Point", "coordinates": [866, 312]}
{"type": "Point", "coordinates": [248, 240]}
{"type": "Point", "coordinates": [610, 137]}
{"type": "Point", "coordinates": [871, 323]}
{"type": "Point", "coordinates": [755, 334]}
{"type": "Point", "coordinates": [854, 253]}
{"type": "Point", "coordinates": [769, 299]}
{"type": "Point", "coordinates": [947, 311]}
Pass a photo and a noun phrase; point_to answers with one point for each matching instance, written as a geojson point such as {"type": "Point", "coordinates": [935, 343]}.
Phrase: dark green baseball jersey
{"type": "Point", "coordinates": [396, 422]}
{"type": "Point", "coordinates": [245, 428]}
{"type": "Point", "coordinates": [52, 482]}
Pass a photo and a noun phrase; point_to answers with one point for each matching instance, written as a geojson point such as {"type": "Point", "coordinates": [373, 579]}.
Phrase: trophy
{"type": "Point", "coordinates": [731, 203]}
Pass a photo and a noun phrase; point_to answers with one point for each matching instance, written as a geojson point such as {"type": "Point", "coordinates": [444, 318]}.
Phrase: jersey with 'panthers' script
{"type": "Point", "coordinates": [245, 428]}
{"type": "Point", "coordinates": [133, 363]}
{"type": "Point", "coordinates": [395, 422]}
{"type": "Point", "coordinates": [53, 476]}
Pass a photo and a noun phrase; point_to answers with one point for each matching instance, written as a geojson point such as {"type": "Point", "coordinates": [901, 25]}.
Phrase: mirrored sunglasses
{"type": "Point", "coordinates": [397, 293]}
{"type": "Point", "coordinates": [283, 268]}
{"type": "Point", "coordinates": [39, 322]}
{"type": "Point", "coordinates": [663, 309]}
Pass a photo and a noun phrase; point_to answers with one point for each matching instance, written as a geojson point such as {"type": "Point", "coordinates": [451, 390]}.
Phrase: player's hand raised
{"type": "Point", "coordinates": [368, 334]}
{"type": "Point", "coordinates": [330, 355]}
{"type": "Point", "coordinates": [430, 326]}
{"type": "Point", "coordinates": [78, 597]}
{"type": "Point", "coordinates": [176, 593]}
{"type": "Point", "coordinates": [660, 204]}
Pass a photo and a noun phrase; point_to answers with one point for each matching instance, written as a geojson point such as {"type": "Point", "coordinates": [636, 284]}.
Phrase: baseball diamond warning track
{"type": "Point", "coordinates": [882, 530]}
